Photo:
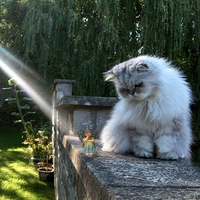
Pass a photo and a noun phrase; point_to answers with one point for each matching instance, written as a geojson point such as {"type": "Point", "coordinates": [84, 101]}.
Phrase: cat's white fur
{"type": "Point", "coordinates": [152, 117]}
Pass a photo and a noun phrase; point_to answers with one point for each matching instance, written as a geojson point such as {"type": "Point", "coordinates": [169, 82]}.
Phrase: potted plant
{"type": "Point", "coordinates": [38, 138]}
{"type": "Point", "coordinates": [40, 145]}
{"type": "Point", "coordinates": [45, 169]}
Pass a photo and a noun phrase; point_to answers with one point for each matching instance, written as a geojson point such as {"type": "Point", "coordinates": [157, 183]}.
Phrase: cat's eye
{"type": "Point", "coordinates": [139, 84]}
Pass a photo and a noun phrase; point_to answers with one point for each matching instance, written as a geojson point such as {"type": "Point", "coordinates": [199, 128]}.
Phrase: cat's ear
{"type": "Point", "coordinates": [109, 75]}
{"type": "Point", "coordinates": [141, 67]}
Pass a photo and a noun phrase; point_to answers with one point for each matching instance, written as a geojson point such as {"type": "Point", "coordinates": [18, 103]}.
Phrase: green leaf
{"type": "Point", "coordinates": [17, 91]}
{"type": "Point", "coordinates": [26, 107]}
{"type": "Point", "coordinates": [15, 113]}
{"type": "Point", "coordinates": [27, 99]}
{"type": "Point", "coordinates": [17, 121]}
{"type": "Point", "coordinates": [31, 112]}
{"type": "Point", "coordinates": [21, 91]}
{"type": "Point", "coordinates": [10, 99]}
{"type": "Point", "coordinates": [8, 88]}
{"type": "Point", "coordinates": [28, 123]}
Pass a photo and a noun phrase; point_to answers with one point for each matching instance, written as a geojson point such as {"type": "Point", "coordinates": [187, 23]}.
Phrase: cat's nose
{"type": "Point", "coordinates": [132, 92]}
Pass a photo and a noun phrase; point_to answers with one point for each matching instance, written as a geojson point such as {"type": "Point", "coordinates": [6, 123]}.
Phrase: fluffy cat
{"type": "Point", "coordinates": [152, 117]}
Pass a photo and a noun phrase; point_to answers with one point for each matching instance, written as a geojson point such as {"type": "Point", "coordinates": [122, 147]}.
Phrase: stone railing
{"type": "Point", "coordinates": [107, 176]}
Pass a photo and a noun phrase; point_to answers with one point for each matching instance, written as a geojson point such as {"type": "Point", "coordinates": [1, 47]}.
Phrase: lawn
{"type": "Point", "coordinates": [19, 178]}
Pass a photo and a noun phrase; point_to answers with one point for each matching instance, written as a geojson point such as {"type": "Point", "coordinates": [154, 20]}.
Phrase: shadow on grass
{"type": "Point", "coordinates": [26, 187]}
{"type": "Point", "coordinates": [18, 177]}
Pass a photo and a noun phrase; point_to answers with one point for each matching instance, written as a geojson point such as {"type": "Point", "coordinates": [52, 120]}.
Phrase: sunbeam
{"type": "Point", "coordinates": [5, 64]}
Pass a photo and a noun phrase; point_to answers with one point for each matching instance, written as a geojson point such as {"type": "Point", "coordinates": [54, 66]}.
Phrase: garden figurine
{"type": "Point", "coordinates": [88, 144]}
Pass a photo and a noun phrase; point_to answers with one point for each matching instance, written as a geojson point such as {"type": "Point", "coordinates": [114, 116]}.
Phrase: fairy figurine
{"type": "Point", "coordinates": [88, 144]}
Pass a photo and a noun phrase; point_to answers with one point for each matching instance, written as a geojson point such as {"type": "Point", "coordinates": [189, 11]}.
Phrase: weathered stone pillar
{"type": "Point", "coordinates": [61, 88]}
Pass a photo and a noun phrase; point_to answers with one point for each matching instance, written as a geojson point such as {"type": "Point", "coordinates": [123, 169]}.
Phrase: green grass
{"type": "Point", "coordinates": [19, 178]}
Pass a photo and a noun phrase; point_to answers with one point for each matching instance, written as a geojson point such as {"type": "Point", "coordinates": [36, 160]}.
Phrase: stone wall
{"type": "Point", "coordinates": [72, 115]}
{"type": "Point", "coordinates": [107, 176]}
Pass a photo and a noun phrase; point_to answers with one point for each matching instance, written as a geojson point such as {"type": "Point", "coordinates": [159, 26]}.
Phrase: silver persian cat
{"type": "Point", "coordinates": [152, 117]}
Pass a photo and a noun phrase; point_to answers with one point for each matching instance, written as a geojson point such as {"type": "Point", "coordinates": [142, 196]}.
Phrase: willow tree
{"type": "Point", "coordinates": [80, 39]}
{"type": "Point", "coordinates": [12, 13]}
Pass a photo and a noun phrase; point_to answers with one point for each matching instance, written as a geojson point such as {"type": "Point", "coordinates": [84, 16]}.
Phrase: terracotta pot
{"type": "Point", "coordinates": [46, 174]}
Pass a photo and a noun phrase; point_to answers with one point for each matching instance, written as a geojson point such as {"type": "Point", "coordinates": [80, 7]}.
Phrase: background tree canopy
{"type": "Point", "coordinates": [80, 39]}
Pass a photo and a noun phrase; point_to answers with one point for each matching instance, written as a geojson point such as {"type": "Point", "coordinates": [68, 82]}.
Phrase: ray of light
{"type": "Point", "coordinates": [16, 65]}
{"type": "Point", "coordinates": [8, 69]}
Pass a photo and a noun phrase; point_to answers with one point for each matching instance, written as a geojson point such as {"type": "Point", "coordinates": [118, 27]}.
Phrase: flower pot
{"type": "Point", "coordinates": [46, 174]}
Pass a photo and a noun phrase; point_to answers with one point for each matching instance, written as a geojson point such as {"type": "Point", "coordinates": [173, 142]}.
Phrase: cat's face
{"type": "Point", "coordinates": [136, 78]}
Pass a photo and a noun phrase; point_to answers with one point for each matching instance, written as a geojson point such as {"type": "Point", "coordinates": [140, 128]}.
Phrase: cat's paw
{"type": "Point", "coordinates": [107, 149]}
{"type": "Point", "coordinates": [168, 156]}
{"type": "Point", "coordinates": [144, 154]}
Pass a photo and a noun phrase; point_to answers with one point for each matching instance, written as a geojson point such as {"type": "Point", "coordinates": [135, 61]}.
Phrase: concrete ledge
{"type": "Point", "coordinates": [77, 114]}
{"type": "Point", "coordinates": [109, 176]}
{"type": "Point", "coordinates": [62, 81]}
{"type": "Point", "coordinates": [88, 101]}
